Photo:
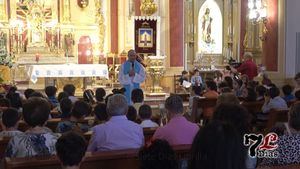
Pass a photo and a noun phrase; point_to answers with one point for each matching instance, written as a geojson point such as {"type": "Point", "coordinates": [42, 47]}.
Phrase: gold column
{"type": "Point", "coordinates": [3, 10]}
{"type": "Point", "coordinates": [101, 22]}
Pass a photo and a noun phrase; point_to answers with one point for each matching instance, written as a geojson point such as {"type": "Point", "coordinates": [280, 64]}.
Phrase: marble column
{"type": "Point", "coordinates": [270, 45]}
{"type": "Point", "coordinates": [137, 4]}
{"type": "Point", "coordinates": [176, 9]}
{"type": "Point", "coordinates": [114, 25]}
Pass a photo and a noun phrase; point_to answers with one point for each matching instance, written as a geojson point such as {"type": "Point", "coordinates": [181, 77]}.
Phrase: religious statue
{"type": "Point", "coordinates": [69, 42]}
{"type": "Point", "coordinates": [3, 41]}
{"type": "Point", "coordinates": [36, 19]}
{"type": "Point", "coordinates": [206, 26]}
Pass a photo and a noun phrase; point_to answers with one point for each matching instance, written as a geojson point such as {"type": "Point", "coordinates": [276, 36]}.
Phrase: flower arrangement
{"type": "Point", "coordinates": [6, 58]}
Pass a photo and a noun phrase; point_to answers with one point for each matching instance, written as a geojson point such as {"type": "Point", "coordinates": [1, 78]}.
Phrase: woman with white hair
{"type": "Point", "coordinates": [248, 67]}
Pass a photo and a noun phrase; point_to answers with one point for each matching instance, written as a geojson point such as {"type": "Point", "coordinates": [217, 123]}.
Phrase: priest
{"type": "Point", "coordinates": [131, 74]}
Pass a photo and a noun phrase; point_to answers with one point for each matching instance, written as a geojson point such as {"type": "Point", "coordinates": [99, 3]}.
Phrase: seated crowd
{"type": "Point", "coordinates": [115, 125]}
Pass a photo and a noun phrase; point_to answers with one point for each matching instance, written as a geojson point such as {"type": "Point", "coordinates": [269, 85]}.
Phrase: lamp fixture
{"type": "Point", "coordinates": [257, 10]}
{"type": "Point", "coordinates": [258, 14]}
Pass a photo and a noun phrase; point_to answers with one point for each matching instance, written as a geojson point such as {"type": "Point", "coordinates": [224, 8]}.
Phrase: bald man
{"type": "Point", "coordinates": [131, 74]}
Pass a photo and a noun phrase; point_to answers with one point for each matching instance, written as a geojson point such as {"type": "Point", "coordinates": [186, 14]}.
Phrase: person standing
{"type": "Point", "coordinates": [131, 74]}
{"type": "Point", "coordinates": [248, 67]}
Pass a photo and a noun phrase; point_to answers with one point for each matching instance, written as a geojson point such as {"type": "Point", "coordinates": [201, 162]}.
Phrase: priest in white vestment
{"type": "Point", "coordinates": [131, 74]}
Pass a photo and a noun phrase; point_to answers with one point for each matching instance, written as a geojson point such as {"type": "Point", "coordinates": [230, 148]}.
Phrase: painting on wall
{"type": "Point", "coordinates": [210, 28]}
{"type": "Point", "coordinates": [145, 38]}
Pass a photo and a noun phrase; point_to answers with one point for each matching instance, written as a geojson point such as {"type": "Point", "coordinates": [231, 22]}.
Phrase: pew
{"type": "Point", "coordinates": [148, 133]}
{"type": "Point", "coordinates": [52, 123]}
{"type": "Point", "coordinates": [127, 159]}
{"type": "Point", "coordinates": [276, 116]}
{"type": "Point", "coordinates": [253, 107]}
{"type": "Point", "coordinates": [204, 104]}
{"type": "Point", "coordinates": [3, 144]}
{"type": "Point", "coordinates": [291, 166]}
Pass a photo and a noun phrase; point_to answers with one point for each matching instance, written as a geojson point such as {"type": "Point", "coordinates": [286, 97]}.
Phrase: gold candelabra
{"type": "Point", "coordinates": [156, 70]}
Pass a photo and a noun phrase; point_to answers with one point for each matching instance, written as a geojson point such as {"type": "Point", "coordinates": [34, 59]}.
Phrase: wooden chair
{"type": "Point", "coordinates": [276, 116]}
{"type": "Point", "coordinates": [204, 104]}
{"type": "Point", "coordinates": [127, 159]}
{"type": "Point", "coordinates": [3, 144]}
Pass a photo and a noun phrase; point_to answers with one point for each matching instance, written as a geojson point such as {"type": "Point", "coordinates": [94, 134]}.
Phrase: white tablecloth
{"type": "Point", "coordinates": [67, 70]}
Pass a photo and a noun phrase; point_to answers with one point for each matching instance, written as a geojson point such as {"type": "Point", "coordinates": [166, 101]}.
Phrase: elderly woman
{"type": "Point", "coordinates": [37, 140]}
{"type": "Point", "coordinates": [288, 144]}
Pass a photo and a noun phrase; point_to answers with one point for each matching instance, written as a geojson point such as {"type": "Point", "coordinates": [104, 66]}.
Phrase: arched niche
{"type": "Point", "coordinates": [210, 28]}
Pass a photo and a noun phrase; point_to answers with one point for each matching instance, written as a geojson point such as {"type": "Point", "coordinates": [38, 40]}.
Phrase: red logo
{"type": "Point", "coordinates": [262, 146]}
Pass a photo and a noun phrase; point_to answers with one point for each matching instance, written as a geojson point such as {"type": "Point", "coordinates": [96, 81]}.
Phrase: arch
{"type": "Point", "coordinates": [210, 28]}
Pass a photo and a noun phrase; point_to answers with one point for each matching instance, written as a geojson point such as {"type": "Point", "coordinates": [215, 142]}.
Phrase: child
{"type": "Point", "coordinates": [100, 94]}
{"type": "Point", "coordinates": [288, 95]}
{"type": "Point", "coordinates": [51, 93]}
{"type": "Point", "coordinates": [137, 98]}
{"type": "Point", "coordinates": [196, 78]}
{"type": "Point", "coordinates": [65, 108]}
{"type": "Point", "coordinates": [80, 110]}
{"type": "Point", "coordinates": [184, 77]}
{"type": "Point", "coordinates": [145, 113]}
{"type": "Point", "coordinates": [131, 114]}
{"type": "Point", "coordinates": [238, 87]}
{"type": "Point", "coordinates": [196, 92]}
{"type": "Point", "coordinates": [100, 113]}
{"type": "Point", "coordinates": [70, 150]}
{"type": "Point", "coordinates": [10, 122]}
{"type": "Point", "coordinates": [260, 91]}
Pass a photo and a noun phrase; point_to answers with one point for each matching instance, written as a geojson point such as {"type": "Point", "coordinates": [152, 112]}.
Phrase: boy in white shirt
{"type": "Point", "coordinates": [145, 114]}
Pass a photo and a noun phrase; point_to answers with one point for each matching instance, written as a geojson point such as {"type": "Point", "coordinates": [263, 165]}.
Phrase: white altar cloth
{"type": "Point", "coordinates": [67, 70]}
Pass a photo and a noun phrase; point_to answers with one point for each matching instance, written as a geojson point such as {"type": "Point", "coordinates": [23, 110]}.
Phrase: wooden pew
{"type": "Point", "coordinates": [3, 144]}
{"type": "Point", "coordinates": [203, 103]}
{"type": "Point", "coordinates": [127, 159]}
{"type": "Point", "coordinates": [291, 166]}
{"type": "Point", "coordinates": [276, 116]}
{"type": "Point", "coordinates": [253, 107]}
{"type": "Point", "coordinates": [52, 123]}
{"type": "Point", "coordinates": [148, 133]}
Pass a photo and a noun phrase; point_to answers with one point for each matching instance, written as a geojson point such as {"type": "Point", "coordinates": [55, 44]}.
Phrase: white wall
{"type": "Point", "coordinates": [292, 26]}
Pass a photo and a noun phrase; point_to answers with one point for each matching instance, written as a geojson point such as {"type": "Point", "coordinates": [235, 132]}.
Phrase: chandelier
{"type": "Point", "coordinates": [257, 10]}
{"type": "Point", "coordinates": [148, 7]}
{"type": "Point", "coordinates": [258, 14]}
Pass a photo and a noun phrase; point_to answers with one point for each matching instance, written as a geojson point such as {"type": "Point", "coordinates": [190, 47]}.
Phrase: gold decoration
{"type": "Point", "coordinates": [156, 69]}
{"type": "Point", "coordinates": [5, 74]}
{"type": "Point", "coordinates": [101, 20]}
{"type": "Point", "coordinates": [66, 11]}
{"type": "Point", "coordinates": [148, 7]}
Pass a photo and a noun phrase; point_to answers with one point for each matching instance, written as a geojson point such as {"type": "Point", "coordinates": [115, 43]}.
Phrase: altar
{"type": "Point", "coordinates": [53, 72]}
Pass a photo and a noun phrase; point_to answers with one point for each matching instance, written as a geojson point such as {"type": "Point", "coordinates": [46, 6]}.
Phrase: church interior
{"type": "Point", "coordinates": [197, 50]}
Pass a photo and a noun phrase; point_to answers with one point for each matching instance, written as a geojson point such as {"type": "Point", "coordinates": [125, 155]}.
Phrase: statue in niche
{"type": "Point", "coordinates": [206, 26]}
{"type": "Point", "coordinates": [69, 42]}
{"type": "Point", "coordinates": [210, 28]}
